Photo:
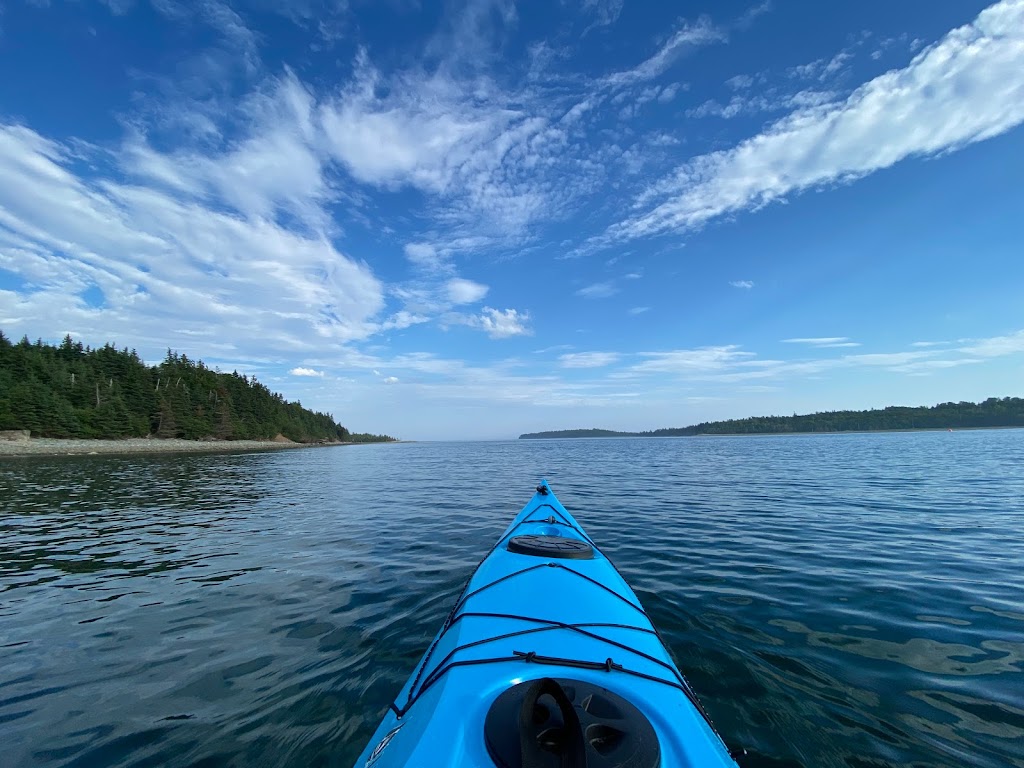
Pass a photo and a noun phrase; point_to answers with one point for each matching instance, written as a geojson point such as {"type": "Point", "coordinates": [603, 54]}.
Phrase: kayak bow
{"type": "Point", "coordinates": [546, 659]}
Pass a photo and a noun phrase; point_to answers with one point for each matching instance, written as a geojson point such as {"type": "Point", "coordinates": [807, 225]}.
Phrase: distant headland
{"type": "Point", "coordinates": [71, 392]}
{"type": "Point", "coordinates": [994, 412]}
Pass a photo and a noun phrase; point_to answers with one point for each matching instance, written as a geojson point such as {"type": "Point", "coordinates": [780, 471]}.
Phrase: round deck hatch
{"type": "Point", "coordinates": [551, 546]}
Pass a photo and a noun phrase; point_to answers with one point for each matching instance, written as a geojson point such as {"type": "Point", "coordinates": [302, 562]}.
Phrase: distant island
{"type": "Point", "coordinates": [994, 412]}
{"type": "Point", "coordinates": [74, 391]}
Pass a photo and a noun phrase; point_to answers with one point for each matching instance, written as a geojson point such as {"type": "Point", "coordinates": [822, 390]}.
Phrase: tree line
{"type": "Point", "coordinates": [74, 391]}
{"type": "Point", "coordinates": [993, 412]}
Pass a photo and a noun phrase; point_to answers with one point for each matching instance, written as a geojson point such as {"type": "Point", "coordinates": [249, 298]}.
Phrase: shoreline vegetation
{"type": "Point", "coordinates": [993, 413]}
{"type": "Point", "coordinates": [51, 446]}
{"type": "Point", "coordinates": [107, 400]}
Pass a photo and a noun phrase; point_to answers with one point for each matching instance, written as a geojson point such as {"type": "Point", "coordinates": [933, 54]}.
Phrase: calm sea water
{"type": "Point", "coordinates": [844, 600]}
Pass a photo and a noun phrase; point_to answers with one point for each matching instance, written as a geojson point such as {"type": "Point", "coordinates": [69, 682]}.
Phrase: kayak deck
{"type": "Point", "coordinates": [544, 602]}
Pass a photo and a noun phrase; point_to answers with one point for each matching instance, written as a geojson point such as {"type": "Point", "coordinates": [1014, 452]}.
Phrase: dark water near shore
{"type": "Point", "coordinates": [844, 600]}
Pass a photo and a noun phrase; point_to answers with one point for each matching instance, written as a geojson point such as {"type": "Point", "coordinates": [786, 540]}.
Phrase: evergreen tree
{"type": "Point", "coordinates": [71, 390]}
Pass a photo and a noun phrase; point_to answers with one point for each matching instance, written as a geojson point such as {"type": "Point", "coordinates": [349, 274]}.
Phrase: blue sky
{"type": "Point", "coordinates": [474, 219]}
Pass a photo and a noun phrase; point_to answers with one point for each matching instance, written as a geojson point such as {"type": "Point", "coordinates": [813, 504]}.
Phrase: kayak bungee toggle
{"type": "Point", "coordinates": [546, 659]}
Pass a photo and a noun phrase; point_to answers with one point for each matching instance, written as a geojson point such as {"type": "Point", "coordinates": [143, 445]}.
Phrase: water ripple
{"type": "Point", "coordinates": [843, 600]}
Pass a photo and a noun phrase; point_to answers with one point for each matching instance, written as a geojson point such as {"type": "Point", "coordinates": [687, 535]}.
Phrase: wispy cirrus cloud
{"type": "Point", "coordinates": [996, 346]}
{"type": "Point", "coordinates": [484, 156]}
{"type": "Point", "coordinates": [824, 341]}
{"type": "Point", "coordinates": [733, 364]}
{"type": "Point", "coordinates": [770, 100]}
{"type": "Point", "coordinates": [276, 167]}
{"type": "Point", "coordinates": [601, 290]}
{"type": "Point", "coordinates": [497, 157]}
{"type": "Point", "coordinates": [692, 360]}
{"type": "Point", "coordinates": [740, 82]}
{"type": "Point", "coordinates": [424, 255]}
{"type": "Point", "coordinates": [700, 366]}
{"type": "Point", "coordinates": [926, 367]}
{"type": "Point", "coordinates": [604, 12]}
{"type": "Point", "coordinates": [688, 36]}
{"type": "Point", "coordinates": [968, 87]}
{"type": "Point", "coordinates": [821, 69]}
{"type": "Point", "coordinates": [744, 284]}
{"type": "Point", "coordinates": [588, 359]}
{"type": "Point", "coordinates": [753, 13]}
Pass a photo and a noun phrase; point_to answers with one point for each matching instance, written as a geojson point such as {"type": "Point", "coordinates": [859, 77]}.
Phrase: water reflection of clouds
{"type": "Point", "coordinates": [920, 653]}
{"type": "Point", "coordinates": [1003, 614]}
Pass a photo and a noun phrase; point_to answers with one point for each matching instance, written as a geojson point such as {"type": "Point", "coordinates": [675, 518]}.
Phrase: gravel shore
{"type": "Point", "coordinates": [45, 446]}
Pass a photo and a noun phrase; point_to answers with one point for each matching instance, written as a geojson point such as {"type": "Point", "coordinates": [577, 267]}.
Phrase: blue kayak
{"type": "Point", "coordinates": [546, 659]}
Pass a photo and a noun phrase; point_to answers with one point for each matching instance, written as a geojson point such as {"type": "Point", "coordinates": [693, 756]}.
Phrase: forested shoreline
{"type": "Point", "coordinates": [74, 391]}
{"type": "Point", "coordinates": [993, 412]}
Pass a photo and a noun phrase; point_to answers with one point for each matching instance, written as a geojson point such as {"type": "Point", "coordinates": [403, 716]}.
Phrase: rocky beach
{"type": "Point", "coordinates": [43, 446]}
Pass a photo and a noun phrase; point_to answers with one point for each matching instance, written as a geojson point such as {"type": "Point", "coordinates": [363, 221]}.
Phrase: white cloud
{"type": "Point", "coordinates": [390, 380]}
{"type": "Point", "coordinates": [492, 159]}
{"type": "Point", "coordinates": [588, 359]}
{"type": "Point", "coordinates": [497, 323]}
{"type": "Point", "coordinates": [885, 358]}
{"type": "Point", "coordinates": [712, 108]}
{"type": "Point", "coordinates": [277, 167]}
{"type": "Point", "coordinates": [306, 372]}
{"type": "Point", "coordinates": [689, 360]}
{"type": "Point", "coordinates": [461, 291]}
{"type": "Point", "coordinates": [418, 134]}
{"type": "Point", "coordinates": [926, 367]}
{"type": "Point", "coordinates": [481, 155]}
{"type": "Point", "coordinates": [403, 319]}
{"type": "Point", "coordinates": [997, 346]}
{"type": "Point", "coordinates": [645, 96]}
{"type": "Point", "coordinates": [605, 11]}
{"type": "Point", "coordinates": [424, 255]}
{"type": "Point", "coordinates": [117, 7]}
{"type": "Point", "coordinates": [768, 101]}
{"type": "Point", "coordinates": [824, 342]}
{"type": "Point", "coordinates": [821, 69]}
{"type": "Point", "coordinates": [669, 92]}
{"type": "Point", "coordinates": [752, 13]}
{"type": "Point", "coordinates": [731, 364]}
{"type": "Point", "coordinates": [554, 348]}
{"type": "Point", "coordinates": [929, 343]}
{"type": "Point", "coordinates": [638, 310]}
{"type": "Point", "coordinates": [163, 256]}
{"type": "Point", "coordinates": [817, 341]}
{"type": "Point", "coordinates": [598, 290]}
{"type": "Point", "coordinates": [747, 284]}
{"type": "Point", "coordinates": [739, 82]}
{"type": "Point", "coordinates": [687, 37]}
{"type": "Point", "coordinates": [966, 88]}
